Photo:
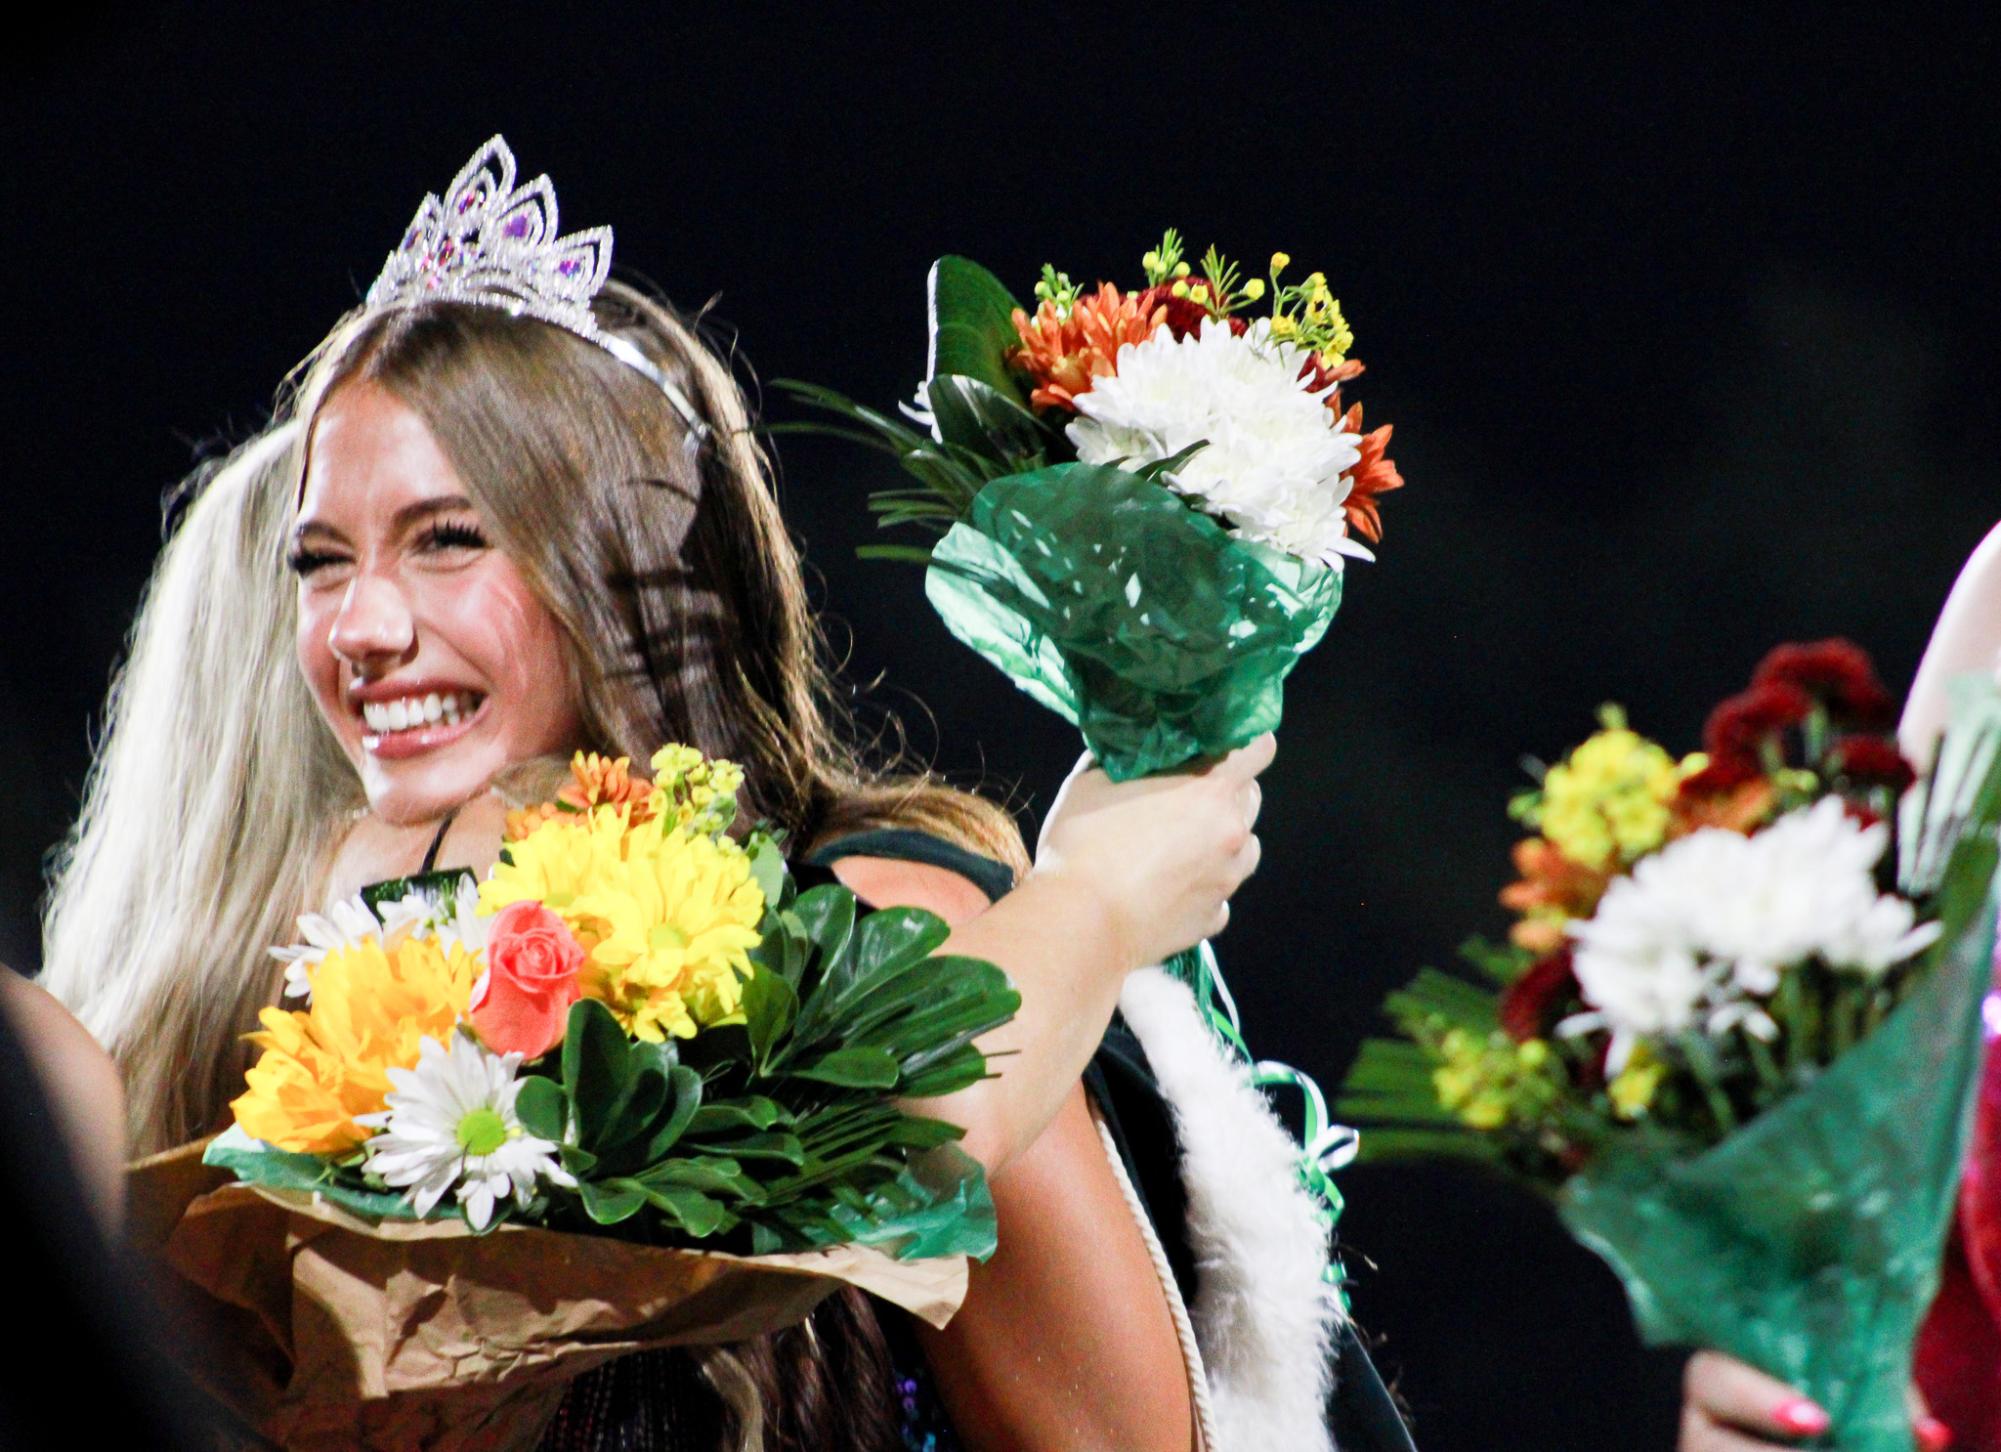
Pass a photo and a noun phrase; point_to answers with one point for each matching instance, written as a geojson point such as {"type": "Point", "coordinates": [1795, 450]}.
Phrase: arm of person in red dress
{"type": "Point", "coordinates": [1065, 1341]}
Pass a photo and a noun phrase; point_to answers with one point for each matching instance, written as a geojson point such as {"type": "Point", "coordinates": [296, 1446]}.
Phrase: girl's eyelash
{"type": "Point", "coordinates": [304, 561]}
{"type": "Point", "coordinates": [451, 534]}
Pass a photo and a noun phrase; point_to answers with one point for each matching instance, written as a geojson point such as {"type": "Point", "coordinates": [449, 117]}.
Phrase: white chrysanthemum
{"type": "Point", "coordinates": [452, 916]}
{"type": "Point", "coordinates": [1274, 454]}
{"type": "Point", "coordinates": [450, 1122]}
{"type": "Point", "coordinates": [1703, 929]}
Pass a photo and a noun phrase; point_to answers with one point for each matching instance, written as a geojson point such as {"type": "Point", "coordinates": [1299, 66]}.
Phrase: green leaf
{"type": "Point", "coordinates": [904, 554]}
{"type": "Point", "coordinates": [767, 867]}
{"type": "Point", "coordinates": [684, 1102]}
{"type": "Point", "coordinates": [753, 1111]}
{"type": "Point", "coordinates": [774, 1144]}
{"type": "Point", "coordinates": [612, 1201]}
{"type": "Point", "coordinates": [711, 1174]}
{"type": "Point", "coordinates": [972, 325]}
{"type": "Point", "coordinates": [595, 1065]}
{"type": "Point", "coordinates": [769, 1009]}
{"type": "Point", "coordinates": [542, 1108]}
{"type": "Point", "coordinates": [852, 1068]}
{"type": "Point", "coordinates": [257, 1163]}
{"type": "Point", "coordinates": [946, 1073]}
{"type": "Point", "coordinates": [972, 414]}
{"type": "Point", "coordinates": [827, 918]}
{"type": "Point", "coordinates": [446, 886]}
{"type": "Point", "coordinates": [695, 1213]}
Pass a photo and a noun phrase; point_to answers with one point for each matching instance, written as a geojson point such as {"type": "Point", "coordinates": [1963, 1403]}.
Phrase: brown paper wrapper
{"type": "Point", "coordinates": [323, 1331]}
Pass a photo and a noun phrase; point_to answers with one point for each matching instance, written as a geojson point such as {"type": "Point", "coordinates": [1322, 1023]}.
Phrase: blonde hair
{"type": "Point", "coordinates": [207, 811]}
{"type": "Point", "coordinates": [218, 792]}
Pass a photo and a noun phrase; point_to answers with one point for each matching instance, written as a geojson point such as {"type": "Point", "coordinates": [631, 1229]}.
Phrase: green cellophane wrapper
{"type": "Point", "coordinates": [1110, 600]}
{"type": "Point", "coordinates": [1808, 1242]}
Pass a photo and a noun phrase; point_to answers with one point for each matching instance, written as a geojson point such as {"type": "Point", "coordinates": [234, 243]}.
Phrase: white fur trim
{"type": "Point", "coordinates": [1263, 1315]}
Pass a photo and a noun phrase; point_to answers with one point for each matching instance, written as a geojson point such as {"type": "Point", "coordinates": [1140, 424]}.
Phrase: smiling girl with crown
{"type": "Point", "coordinates": [526, 516]}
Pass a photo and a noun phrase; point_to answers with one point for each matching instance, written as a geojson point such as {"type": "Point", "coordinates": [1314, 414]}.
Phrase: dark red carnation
{"type": "Point", "coordinates": [1532, 1004]}
{"type": "Point", "coordinates": [1839, 673]}
{"type": "Point", "coordinates": [1738, 729]}
{"type": "Point", "coordinates": [1871, 761]}
{"type": "Point", "coordinates": [1184, 315]}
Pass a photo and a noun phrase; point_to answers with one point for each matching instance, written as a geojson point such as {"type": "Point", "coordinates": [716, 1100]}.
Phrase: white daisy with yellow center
{"type": "Point", "coordinates": [450, 1124]}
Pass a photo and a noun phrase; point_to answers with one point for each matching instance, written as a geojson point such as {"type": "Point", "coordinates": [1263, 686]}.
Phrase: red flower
{"type": "Point", "coordinates": [1532, 1004]}
{"type": "Point", "coordinates": [1839, 673]}
{"type": "Point", "coordinates": [1182, 315]}
{"type": "Point", "coordinates": [1739, 728]}
{"type": "Point", "coordinates": [1372, 475]}
{"type": "Point", "coordinates": [1870, 761]}
{"type": "Point", "coordinates": [522, 1004]}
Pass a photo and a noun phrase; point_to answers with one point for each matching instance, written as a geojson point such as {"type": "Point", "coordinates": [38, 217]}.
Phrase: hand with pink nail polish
{"type": "Point", "coordinates": [1730, 1407]}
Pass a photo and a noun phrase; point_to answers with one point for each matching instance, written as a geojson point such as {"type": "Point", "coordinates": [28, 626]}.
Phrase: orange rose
{"type": "Point", "coordinates": [523, 1002]}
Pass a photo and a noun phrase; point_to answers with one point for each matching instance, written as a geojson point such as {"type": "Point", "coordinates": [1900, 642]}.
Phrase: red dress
{"type": "Point", "coordinates": [1959, 1347]}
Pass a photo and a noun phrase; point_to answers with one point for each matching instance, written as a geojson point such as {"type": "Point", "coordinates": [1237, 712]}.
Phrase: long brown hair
{"type": "Point", "coordinates": [659, 549]}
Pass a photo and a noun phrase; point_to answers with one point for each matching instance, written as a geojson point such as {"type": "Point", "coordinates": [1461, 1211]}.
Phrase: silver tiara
{"type": "Point", "coordinates": [495, 245]}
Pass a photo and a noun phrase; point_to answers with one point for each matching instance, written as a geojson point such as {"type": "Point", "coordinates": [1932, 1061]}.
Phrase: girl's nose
{"type": "Point", "coordinates": [373, 624]}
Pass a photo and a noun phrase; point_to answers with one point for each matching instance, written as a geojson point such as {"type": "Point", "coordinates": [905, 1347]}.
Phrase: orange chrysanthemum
{"type": "Point", "coordinates": [595, 781]}
{"type": "Point", "coordinates": [601, 781]}
{"type": "Point", "coordinates": [1735, 806]}
{"type": "Point", "coordinates": [1065, 355]}
{"type": "Point", "coordinates": [1373, 475]}
{"type": "Point", "coordinates": [1552, 890]}
{"type": "Point", "coordinates": [523, 820]}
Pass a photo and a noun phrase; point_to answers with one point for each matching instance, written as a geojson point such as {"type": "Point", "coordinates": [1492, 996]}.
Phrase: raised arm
{"type": "Point", "coordinates": [1126, 874]}
{"type": "Point", "coordinates": [1966, 638]}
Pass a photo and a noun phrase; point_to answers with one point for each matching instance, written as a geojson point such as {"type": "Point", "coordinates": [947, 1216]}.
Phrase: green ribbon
{"type": "Point", "coordinates": [1325, 1147]}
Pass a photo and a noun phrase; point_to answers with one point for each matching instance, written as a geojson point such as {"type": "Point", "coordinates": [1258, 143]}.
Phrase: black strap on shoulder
{"type": "Point", "coordinates": [904, 844]}
{"type": "Point", "coordinates": [438, 843]}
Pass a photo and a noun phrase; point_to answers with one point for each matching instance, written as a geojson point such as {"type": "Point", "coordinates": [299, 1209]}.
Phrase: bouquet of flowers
{"type": "Point", "coordinates": [1145, 497]}
{"type": "Point", "coordinates": [635, 1029]}
{"type": "Point", "coordinates": [1735, 1030]}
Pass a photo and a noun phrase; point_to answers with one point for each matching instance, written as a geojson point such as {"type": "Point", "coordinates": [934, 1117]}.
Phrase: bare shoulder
{"type": "Point", "coordinates": [82, 1083]}
{"type": "Point", "coordinates": [891, 882]}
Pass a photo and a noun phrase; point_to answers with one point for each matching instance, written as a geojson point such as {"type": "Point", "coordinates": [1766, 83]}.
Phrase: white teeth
{"type": "Point", "coordinates": [413, 711]}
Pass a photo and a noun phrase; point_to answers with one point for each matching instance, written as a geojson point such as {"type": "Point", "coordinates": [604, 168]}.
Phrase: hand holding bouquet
{"type": "Point", "coordinates": [636, 1028]}
{"type": "Point", "coordinates": [1736, 1025]}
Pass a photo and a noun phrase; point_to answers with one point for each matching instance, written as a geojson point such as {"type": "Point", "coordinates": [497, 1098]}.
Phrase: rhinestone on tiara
{"type": "Point", "coordinates": [492, 244]}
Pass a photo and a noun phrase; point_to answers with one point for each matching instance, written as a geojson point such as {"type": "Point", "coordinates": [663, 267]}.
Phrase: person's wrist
{"type": "Point", "coordinates": [1063, 893]}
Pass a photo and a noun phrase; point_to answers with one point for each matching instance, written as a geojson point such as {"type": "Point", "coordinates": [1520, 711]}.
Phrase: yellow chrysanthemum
{"type": "Point", "coordinates": [324, 1065]}
{"type": "Point", "coordinates": [1610, 799]}
{"type": "Point", "coordinates": [666, 914]}
{"type": "Point", "coordinates": [677, 918]}
{"type": "Point", "coordinates": [561, 857]}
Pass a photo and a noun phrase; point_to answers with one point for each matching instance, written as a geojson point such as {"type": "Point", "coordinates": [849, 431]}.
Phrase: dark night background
{"type": "Point", "coordinates": [1685, 322]}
